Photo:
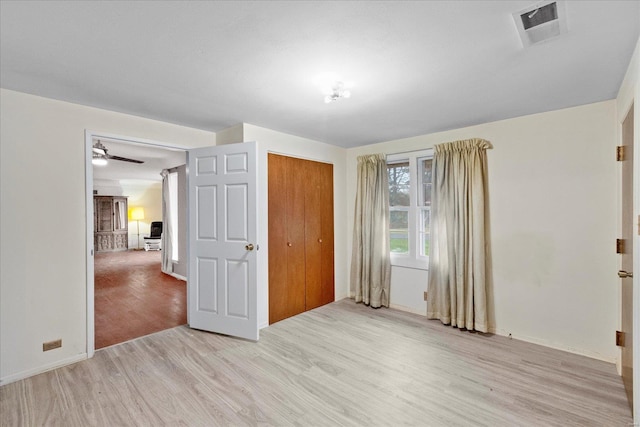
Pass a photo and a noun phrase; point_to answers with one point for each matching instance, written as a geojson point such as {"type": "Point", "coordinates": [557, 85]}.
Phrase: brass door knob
{"type": "Point", "coordinates": [624, 274]}
{"type": "Point", "coordinates": [249, 247]}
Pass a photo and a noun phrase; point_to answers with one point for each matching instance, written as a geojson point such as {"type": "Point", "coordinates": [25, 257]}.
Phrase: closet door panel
{"type": "Point", "coordinates": [301, 243]}
{"type": "Point", "coordinates": [313, 234]}
{"type": "Point", "coordinates": [296, 177]}
{"type": "Point", "coordinates": [277, 184]}
{"type": "Point", "coordinates": [327, 233]}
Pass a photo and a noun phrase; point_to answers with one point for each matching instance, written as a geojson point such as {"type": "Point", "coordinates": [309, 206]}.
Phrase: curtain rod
{"type": "Point", "coordinates": [407, 152]}
{"type": "Point", "coordinates": [433, 147]}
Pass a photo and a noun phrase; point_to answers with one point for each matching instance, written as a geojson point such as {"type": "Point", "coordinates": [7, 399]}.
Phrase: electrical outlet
{"type": "Point", "coordinates": [50, 345]}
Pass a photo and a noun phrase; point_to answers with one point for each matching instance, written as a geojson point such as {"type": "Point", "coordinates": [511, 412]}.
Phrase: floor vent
{"type": "Point", "coordinates": [541, 22]}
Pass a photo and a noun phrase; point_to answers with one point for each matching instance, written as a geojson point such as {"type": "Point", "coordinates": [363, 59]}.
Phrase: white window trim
{"type": "Point", "coordinates": [413, 259]}
{"type": "Point", "coordinates": [173, 206]}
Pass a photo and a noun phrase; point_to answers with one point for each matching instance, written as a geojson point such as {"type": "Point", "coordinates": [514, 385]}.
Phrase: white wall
{"type": "Point", "coordinates": [148, 196]}
{"type": "Point", "coordinates": [107, 187]}
{"type": "Point", "coordinates": [139, 193]}
{"type": "Point", "coordinates": [552, 185]}
{"type": "Point", "coordinates": [270, 141]}
{"type": "Point", "coordinates": [43, 223]}
{"type": "Point", "coordinates": [231, 135]}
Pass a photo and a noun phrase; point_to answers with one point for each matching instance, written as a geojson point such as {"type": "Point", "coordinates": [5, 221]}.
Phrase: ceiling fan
{"type": "Point", "coordinates": [101, 155]}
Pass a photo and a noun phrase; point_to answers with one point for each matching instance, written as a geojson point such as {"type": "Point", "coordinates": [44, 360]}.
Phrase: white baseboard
{"type": "Point", "coordinates": [177, 276]}
{"type": "Point", "coordinates": [532, 340]}
{"type": "Point", "coordinates": [556, 346]}
{"type": "Point", "coordinates": [422, 312]}
{"type": "Point", "coordinates": [41, 369]}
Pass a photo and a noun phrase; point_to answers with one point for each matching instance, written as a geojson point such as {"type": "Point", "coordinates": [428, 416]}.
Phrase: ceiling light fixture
{"type": "Point", "coordinates": [336, 92]}
{"type": "Point", "coordinates": [99, 160]}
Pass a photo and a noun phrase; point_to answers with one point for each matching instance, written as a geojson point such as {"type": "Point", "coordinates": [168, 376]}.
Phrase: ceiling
{"type": "Point", "coordinates": [416, 67]}
{"type": "Point", "coordinates": [155, 159]}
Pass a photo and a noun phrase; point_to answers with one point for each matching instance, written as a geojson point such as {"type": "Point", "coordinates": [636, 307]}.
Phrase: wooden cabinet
{"type": "Point", "coordinates": [110, 224]}
{"type": "Point", "coordinates": [301, 265]}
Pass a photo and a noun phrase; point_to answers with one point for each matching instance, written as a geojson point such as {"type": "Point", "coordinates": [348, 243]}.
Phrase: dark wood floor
{"type": "Point", "coordinates": [134, 298]}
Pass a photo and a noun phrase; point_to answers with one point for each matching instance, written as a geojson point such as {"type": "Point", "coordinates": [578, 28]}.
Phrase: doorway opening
{"type": "Point", "coordinates": [135, 286]}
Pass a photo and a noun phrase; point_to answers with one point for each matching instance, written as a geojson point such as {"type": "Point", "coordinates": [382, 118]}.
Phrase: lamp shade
{"type": "Point", "coordinates": [137, 213]}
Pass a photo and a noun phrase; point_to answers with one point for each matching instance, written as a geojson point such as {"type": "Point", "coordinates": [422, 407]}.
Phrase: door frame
{"type": "Point", "coordinates": [622, 113]}
{"type": "Point", "coordinates": [622, 264]}
{"type": "Point", "coordinates": [89, 135]}
{"type": "Point", "coordinates": [636, 248]}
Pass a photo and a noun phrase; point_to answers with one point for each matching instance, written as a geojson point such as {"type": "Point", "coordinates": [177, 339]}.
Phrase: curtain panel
{"type": "Point", "coordinates": [457, 262]}
{"type": "Point", "coordinates": [370, 259]}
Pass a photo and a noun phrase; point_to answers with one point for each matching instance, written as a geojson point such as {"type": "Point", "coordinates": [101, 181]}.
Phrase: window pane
{"type": "Point", "coordinates": [425, 217]}
{"type": "Point", "coordinates": [399, 231]}
{"type": "Point", "coordinates": [425, 168]}
{"type": "Point", "coordinates": [173, 216]}
{"type": "Point", "coordinates": [398, 183]}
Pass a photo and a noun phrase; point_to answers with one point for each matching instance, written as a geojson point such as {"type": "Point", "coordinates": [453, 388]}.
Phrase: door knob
{"type": "Point", "coordinates": [624, 274]}
{"type": "Point", "coordinates": [249, 247]}
{"type": "Point", "coordinates": [289, 244]}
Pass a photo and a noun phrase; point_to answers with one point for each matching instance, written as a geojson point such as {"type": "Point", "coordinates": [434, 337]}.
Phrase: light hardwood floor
{"type": "Point", "coordinates": [341, 364]}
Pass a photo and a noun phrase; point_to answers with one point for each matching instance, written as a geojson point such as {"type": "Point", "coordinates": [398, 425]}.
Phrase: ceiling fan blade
{"type": "Point", "coordinates": [123, 159]}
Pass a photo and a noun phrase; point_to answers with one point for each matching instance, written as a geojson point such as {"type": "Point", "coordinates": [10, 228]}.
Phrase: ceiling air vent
{"type": "Point", "coordinates": [541, 22]}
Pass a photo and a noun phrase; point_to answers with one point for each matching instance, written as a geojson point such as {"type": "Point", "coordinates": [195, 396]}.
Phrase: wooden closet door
{"type": "Point", "coordinates": [300, 236]}
{"type": "Point", "coordinates": [296, 178]}
{"type": "Point", "coordinates": [277, 184]}
{"type": "Point", "coordinates": [326, 219]}
{"type": "Point", "coordinates": [286, 238]}
{"type": "Point", "coordinates": [313, 234]}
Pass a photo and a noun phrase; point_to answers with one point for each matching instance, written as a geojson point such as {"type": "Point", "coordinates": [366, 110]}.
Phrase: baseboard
{"type": "Point", "coordinates": [545, 343]}
{"type": "Point", "coordinates": [178, 276]}
{"type": "Point", "coordinates": [422, 312]}
{"type": "Point", "coordinates": [532, 340]}
{"type": "Point", "coordinates": [41, 369]}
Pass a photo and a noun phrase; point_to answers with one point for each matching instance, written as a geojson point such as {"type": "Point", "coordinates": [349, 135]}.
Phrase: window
{"type": "Point", "coordinates": [173, 214]}
{"type": "Point", "coordinates": [410, 207]}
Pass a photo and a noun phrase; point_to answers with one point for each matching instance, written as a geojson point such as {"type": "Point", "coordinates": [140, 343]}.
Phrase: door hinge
{"type": "Point", "coordinates": [619, 246]}
{"type": "Point", "coordinates": [620, 338]}
{"type": "Point", "coordinates": [425, 295]}
{"type": "Point", "coordinates": [620, 153]}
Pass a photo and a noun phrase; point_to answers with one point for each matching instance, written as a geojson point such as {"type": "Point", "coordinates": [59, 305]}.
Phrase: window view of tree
{"type": "Point", "coordinates": [398, 184]}
{"type": "Point", "coordinates": [399, 201]}
{"type": "Point", "coordinates": [425, 168]}
{"type": "Point", "coordinates": [410, 181]}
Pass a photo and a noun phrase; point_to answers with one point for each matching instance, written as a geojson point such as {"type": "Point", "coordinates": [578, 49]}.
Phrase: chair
{"type": "Point", "coordinates": [154, 241]}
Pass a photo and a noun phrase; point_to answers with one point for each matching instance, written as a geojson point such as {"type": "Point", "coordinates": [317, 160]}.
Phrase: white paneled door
{"type": "Point", "coordinates": [222, 240]}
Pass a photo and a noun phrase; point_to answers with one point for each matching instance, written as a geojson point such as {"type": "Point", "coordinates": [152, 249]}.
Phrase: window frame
{"type": "Point", "coordinates": [172, 182]}
{"type": "Point", "coordinates": [412, 259]}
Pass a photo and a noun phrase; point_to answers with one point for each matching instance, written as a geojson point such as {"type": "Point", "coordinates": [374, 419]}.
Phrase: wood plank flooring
{"type": "Point", "coordinates": [133, 297]}
{"type": "Point", "coordinates": [341, 364]}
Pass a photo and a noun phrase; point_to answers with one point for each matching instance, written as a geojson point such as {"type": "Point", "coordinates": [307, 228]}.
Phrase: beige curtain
{"type": "Point", "coordinates": [370, 259]}
{"type": "Point", "coordinates": [457, 260]}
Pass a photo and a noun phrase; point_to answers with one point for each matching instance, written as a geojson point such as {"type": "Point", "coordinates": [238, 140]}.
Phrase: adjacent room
{"type": "Point", "coordinates": [319, 213]}
{"type": "Point", "coordinates": [138, 289]}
